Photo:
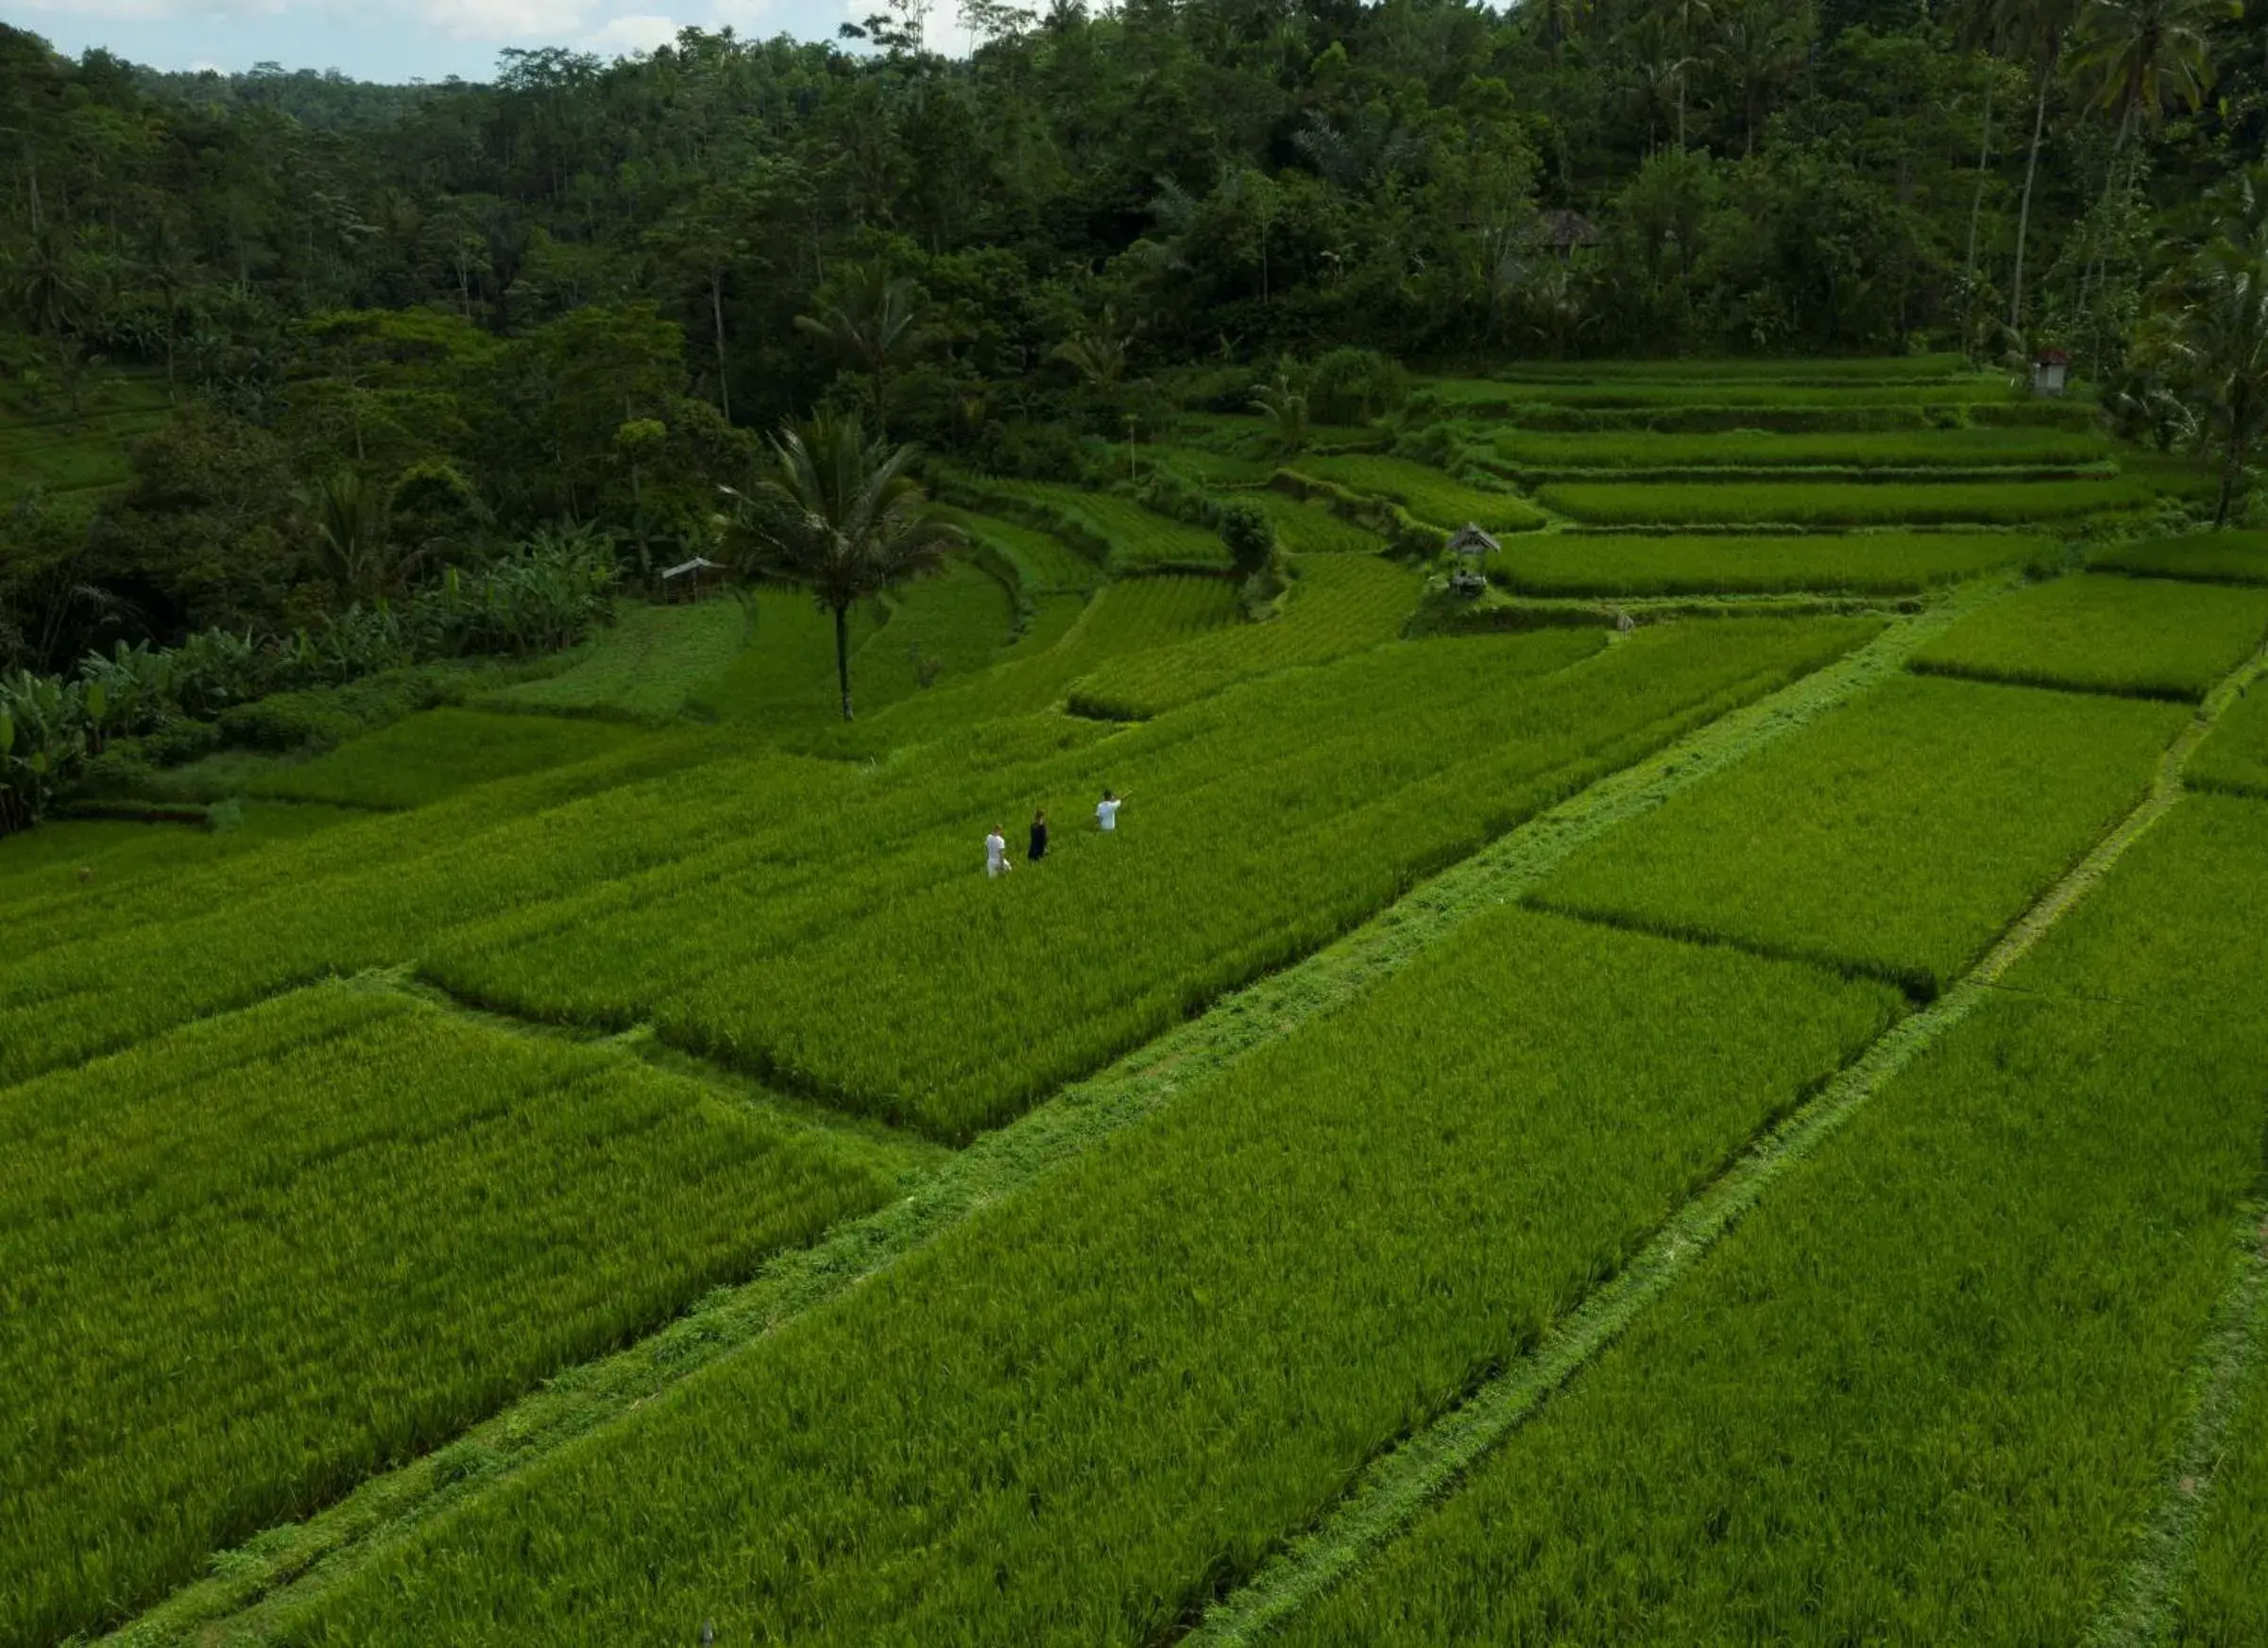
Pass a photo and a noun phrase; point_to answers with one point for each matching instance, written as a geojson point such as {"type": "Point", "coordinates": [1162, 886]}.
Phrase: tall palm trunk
{"type": "Point", "coordinates": [716, 311]}
{"type": "Point", "coordinates": [1976, 201]}
{"type": "Point", "coordinates": [842, 655]}
{"type": "Point", "coordinates": [2023, 216]}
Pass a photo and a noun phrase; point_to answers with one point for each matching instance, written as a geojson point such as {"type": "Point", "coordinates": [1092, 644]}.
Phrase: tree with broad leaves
{"type": "Point", "coordinates": [2217, 333]}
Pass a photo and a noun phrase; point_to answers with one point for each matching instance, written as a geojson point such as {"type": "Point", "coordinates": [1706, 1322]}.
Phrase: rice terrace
{"type": "Point", "coordinates": [672, 973]}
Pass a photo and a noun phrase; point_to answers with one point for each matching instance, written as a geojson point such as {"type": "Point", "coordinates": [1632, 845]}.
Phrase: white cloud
{"type": "Point", "coordinates": [506, 19]}
{"type": "Point", "coordinates": [631, 35]}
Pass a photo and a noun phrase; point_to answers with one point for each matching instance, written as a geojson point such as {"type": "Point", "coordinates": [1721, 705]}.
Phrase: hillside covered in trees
{"type": "Point", "coordinates": [577, 293]}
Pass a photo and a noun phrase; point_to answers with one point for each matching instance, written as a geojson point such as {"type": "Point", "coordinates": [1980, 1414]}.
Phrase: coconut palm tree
{"type": "Point", "coordinates": [2219, 333]}
{"type": "Point", "coordinates": [834, 512]}
{"type": "Point", "coordinates": [1286, 407]}
{"type": "Point", "coordinates": [874, 319]}
{"type": "Point", "coordinates": [353, 538]}
{"type": "Point", "coordinates": [2040, 28]}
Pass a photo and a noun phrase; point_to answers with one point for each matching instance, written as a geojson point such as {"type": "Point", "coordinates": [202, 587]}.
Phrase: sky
{"type": "Point", "coordinates": [405, 40]}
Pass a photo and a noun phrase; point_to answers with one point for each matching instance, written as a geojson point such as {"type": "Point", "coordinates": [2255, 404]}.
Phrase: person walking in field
{"type": "Point", "coordinates": [995, 853]}
{"type": "Point", "coordinates": [1039, 836]}
{"type": "Point", "coordinates": [1106, 810]}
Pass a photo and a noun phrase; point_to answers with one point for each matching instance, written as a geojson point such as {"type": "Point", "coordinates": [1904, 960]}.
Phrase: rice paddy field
{"type": "Point", "coordinates": [1710, 1094]}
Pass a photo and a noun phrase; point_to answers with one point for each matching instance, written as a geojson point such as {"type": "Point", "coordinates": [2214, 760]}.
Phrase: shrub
{"type": "Point", "coordinates": [1250, 535]}
{"type": "Point", "coordinates": [1355, 385]}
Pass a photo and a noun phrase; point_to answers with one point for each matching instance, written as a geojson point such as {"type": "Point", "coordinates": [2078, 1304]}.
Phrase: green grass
{"type": "Point", "coordinates": [1266, 817]}
{"type": "Point", "coordinates": [247, 1262]}
{"type": "Point", "coordinates": [1076, 1414]}
{"type": "Point", "coordinates": [1305, 529]}
{"type": "Point", "coordinates": [1139, 540]}
{"type": "Point", "coordinates": [1924, 1391]}
{"type": "Point", "coordinates": [2150, 638]}
{"type": "Point", "coordinates": [1889, 563]}
{"type": "Point", "coordinates": [1964, 449]}
{"type": "Point", "coordinates": [1338, 604]}
{"type": "Point", "coordinates": [645, 667]}
{"type": "Point", "coordinates": [1423, 491]}
{"type": "Point", "coordinates": [418, 761]}
{"type": "Point", "coordinates": [1825, 503]}
{"type": "Point", "coordinates": [1894, 837]}
{"type": "Point", "coordinates": [2209, 557]}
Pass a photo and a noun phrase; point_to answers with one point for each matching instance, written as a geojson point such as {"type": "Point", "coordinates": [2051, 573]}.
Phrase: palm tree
{"type": "Point", "coordinates": [2141, 55]}
{"type": "Point", "coordinates": [834, 512]}
{"type": "Point", "coordinates": [2219, 336]}
{"type": "Point", "coordinates": [1759, 46]}
{"type": "Point", "coordinates": [2041, 28]}
{"type": "Point", "coordinates": [2135, 56]}
{"type": "Point", "coordinates": [874, 318]}
{"type": "Point", "coordinates": [1097, 353]}
{"type": "Point", "coordinates": [354, 543]}
{"type": "Point", "coordinates": [1287, 408]}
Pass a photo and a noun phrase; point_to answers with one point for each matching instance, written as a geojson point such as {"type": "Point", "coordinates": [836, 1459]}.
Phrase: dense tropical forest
{"type": "Point", "coordinates": [353, 335]}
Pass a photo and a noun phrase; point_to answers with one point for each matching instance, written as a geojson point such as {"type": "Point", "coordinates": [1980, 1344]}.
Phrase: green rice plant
{"type": "Point", "coordinates": [247, 1264]}
{"type": "Point", "coordinates": [418, 761]}
{"type": "Point", "coordinates": [1854, 369]}
{"type": "Point", "coordinates": [118, 964]}
{"type": "Point", "coordinates": [1307, 529]}
{"type": "Point", "coordinates": [644, 667]}
{"type": "Point", "coordinates": [1076, 1416]}
{"type": "Point", "coordinates": [1488, 393]}
{"type": "Point", "coordinates": [1338, 604]}
{"type": "Point", "coordinates": [784, 679]}
{"type": "Point", "coordinates": [1045, 563]}
{"type": "Point", "coordinates": [2234, 757]}
{"type": "Point", "coordinates": [2224, 1606]}
{"type": "Point", "coordinates": [2188, 934]}
{"type": "Point", "coordinates": [1759, 449]}
{"type": "Point", "coordinates": [861, 958]}
{"type": "Point", "coordinates": [1139, 540]}
{"type": "Point", "coordinates": [1254, 438]}
{"type": "Point", "coordinates": [1887, 562]}
{"type": "Point", "coordinates": [1127, 617]}
{"type": "Point", "coordinates": [2147, 636]}
{"type": "Point", "coordinates": [1894, 837]}
{"type": "Point", "coordinates": [43, 865]}
{"type": "Point", "coordinates": [1925, 1391]}
{"type": "Point", "coordinates": [1213, 468]}
{"type": "Point", "coordinates": [1821, 503]}
{"type": "Point", "coordinates": [2207, 557]}
{"type": "Point", "coordinates": [1424, 491]}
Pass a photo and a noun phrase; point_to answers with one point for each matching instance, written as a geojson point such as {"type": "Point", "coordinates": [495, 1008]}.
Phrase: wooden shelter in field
{"type": "Point", "coordinates": [1470, 544]}
{"type": "Point", "coordinates": [691, 580]}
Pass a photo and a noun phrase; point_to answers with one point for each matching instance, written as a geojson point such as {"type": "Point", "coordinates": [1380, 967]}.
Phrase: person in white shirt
{"type": "Point", "coordinates": [995, 853]}
{"type": "Point", "coordinates": [1106, 810]}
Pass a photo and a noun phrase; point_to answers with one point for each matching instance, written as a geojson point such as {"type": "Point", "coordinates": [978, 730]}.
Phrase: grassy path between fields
{"type": "Point", "coordinates": [1397, 1485]}
{"type": "Point", "coordinates": [287, 1566]}
{"type": "Point", "coordinates": [2141, 1607]}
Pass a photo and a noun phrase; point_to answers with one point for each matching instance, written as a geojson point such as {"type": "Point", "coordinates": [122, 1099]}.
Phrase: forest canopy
{"type": "Point", "coordinates": [581, 291]}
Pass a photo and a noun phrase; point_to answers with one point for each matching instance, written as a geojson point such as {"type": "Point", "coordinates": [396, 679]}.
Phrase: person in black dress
{"type": "Point", "coordinates": [1039, 836]}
